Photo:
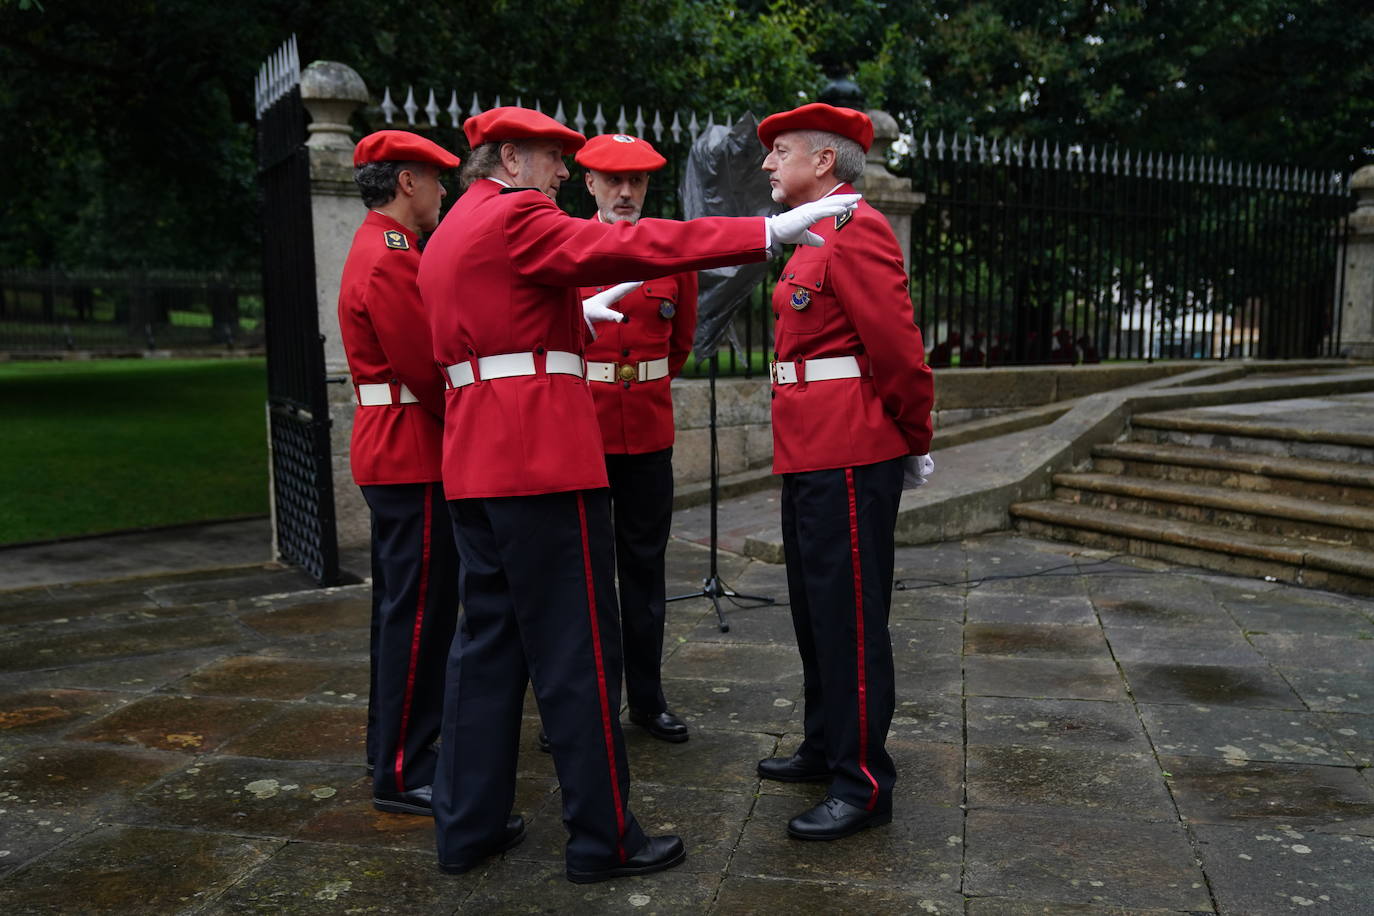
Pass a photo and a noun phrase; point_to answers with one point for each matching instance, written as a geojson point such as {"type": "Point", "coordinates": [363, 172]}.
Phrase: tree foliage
{"type": "Point", "coordinates": [131, 121]}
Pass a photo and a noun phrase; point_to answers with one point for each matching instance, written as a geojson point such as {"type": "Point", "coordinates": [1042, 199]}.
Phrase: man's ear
{"type": "Point", "coordinates": [510, 158]}
{"type": "Point", "coordinates": [587, 177]}
{"type": "Point", "coordinates": [405, 182]}
{"type": "Point", "coordinates": [825, 160]}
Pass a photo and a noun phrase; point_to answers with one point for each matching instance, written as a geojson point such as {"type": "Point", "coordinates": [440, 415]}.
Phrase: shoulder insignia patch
{"type": "Point", "coordinates": [843, 218]}
{"type": "Point", "coordinates": [396, 239]}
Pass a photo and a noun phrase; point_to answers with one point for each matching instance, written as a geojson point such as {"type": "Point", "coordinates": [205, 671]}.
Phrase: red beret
{"type": "Point", "coordinates": [402, 146]}
{"type": "Point", "coordinates": [511, 123]}
{"type": "Point", "coordinates": [620, 153]}
{"type": "Point", "coordinates": [819, 116]}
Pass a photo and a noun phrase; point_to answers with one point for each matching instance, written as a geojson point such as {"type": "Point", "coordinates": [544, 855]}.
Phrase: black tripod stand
{"type": "Point", "coordinates": [712, 587]}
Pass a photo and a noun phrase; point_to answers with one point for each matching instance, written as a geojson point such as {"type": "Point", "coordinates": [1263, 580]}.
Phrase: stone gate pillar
{"type": "Point", "coordinates": [1357, 305]}
{"type": "Point", "coordinates": [331, 93]}
{"type": "Point", "coordinates": [890, 195]}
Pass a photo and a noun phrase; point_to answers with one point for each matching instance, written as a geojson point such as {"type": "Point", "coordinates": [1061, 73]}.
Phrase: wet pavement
{"type": "Point", "coordinates": [1075, 733]}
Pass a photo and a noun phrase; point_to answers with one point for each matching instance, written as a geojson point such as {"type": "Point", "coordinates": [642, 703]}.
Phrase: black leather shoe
{"type": "Point", "coordinates": [660, 853]}
{"type": "Point", "coordinates": [544, 743]}
{"type": "Point", "coordinates": [664, 726]}
{"type": "Point", "coordinates": [412, 801]}
{"type": "Point", "coordinates": [833, 819]}
{"type": "Point", "coordinates": [510, 837]}
{"type": "Point", "coordinates": [794, 769]}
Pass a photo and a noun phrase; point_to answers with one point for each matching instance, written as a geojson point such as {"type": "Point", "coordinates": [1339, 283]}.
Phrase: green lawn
{"type": "Point", "coordinates": [88, 447]}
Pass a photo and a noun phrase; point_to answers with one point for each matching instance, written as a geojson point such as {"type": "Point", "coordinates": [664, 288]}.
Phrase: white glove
{"type": "Point", "coordinates": [598, 308]}
{"type": "Point", "coordinates": [915, 470]}
{"type": "Point", "coordinates": [793, 227]}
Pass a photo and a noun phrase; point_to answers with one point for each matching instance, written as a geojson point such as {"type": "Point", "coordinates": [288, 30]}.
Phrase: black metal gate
{"type": "Point", "coordinates": [298, 409]}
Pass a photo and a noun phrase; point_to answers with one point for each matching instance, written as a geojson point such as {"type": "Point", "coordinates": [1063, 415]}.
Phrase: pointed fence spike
{"type": "Point", "coordinates": [925, 144]}
{"type": "Point", "coordinates": [580, 120]}
{"type": "Point", "coordinates": [497, 103]}
{"type": "Point", "coordinates": [676, 128]}
{"type": "Point", "coordinates": [599, 121]}
{"type": "Point", "coordinates": [693, 128]}
{"type": "Point", "coordinates": [453, 110]}
{"type": "Point", "coordinates": [538, 107]}
{"type": "Point", "coordinates": [519, 102]}
{"type": "Point", "coordinates": [639, 121]}
{"type": "Point", "coordinates": [432, 110]}
{"type": "Point", "coordinates": [982, 150]}
{"type": "Point", "coordinates": [476, 108]}
{"type": "Point", "coordinates": [658, 125]}
{"type": "Point", "coordinates": [559, 115]}
{"type": "Point", "coordinates": [621, 125]}
{"type": "Point", "coordinates": [410, 107]}
{"type": "Point", "coordinates": [388, 106]}
{"type": "Point", "coordinates": [940, 147]}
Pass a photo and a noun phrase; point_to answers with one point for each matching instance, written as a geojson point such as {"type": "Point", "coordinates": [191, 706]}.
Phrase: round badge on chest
{"type": "Point", "coordinates": [666, 309]}
{"type": "Point", "coordinates": [801, 298]}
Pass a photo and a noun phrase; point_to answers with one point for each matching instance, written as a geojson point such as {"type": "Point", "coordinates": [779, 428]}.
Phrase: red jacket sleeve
{"type": "Point", "coordinates": [872, 290]}
{"type": "Point", "coordinates": [552, 248]}
{"type": "Point", "coordinates": [684, 323]}
{"type": "Point", "coordinates": [402, 326]}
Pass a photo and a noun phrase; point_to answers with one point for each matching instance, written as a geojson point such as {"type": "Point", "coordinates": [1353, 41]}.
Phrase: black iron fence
{"type": "Point", "coordinates": [1024, 253]}
{"type": "Point", "coordinates": [46, 310]}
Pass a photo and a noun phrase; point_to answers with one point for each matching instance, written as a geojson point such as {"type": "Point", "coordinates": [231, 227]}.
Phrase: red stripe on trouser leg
{"type": "Point", "coordinates": [606, 729]}
{"type": "Point", "coordinates": [415, 638]}
{"type": "Point", "coordinates": [859, 634]}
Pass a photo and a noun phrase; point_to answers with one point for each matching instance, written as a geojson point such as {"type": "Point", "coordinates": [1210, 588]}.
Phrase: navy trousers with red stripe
{"type": "Point", "coordinates": [837, 528]}
{"type": "Point", "coordinates": [414, 613]}
{"type": "Point", "coordinates": [539, 607]}
{"type": "Point", "coordinates": [642, 507]}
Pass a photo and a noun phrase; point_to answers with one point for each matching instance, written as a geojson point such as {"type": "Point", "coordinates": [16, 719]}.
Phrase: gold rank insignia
{"type": "Point", "coordinates": [801, 298]}
{"type": "Point", "coordinates": [396, 239]}
{"type": "Point", "coordinates": [666, 309]}
{"type": "Point", "coordinates": [843, 218]}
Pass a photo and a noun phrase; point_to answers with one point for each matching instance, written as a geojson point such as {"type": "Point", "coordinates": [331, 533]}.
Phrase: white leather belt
{"type": "Point", "coordinates": [506, 365]}
{"type": "Point", "coordinates": [384, 394]}
{"type": "Point", "coordinates": [815, 370]}
{"type": "Point", "coordinates": [647, 371]}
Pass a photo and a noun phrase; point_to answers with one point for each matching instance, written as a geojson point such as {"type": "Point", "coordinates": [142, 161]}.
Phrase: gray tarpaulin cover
{"type": "Point", "coordinates": [724, 178]}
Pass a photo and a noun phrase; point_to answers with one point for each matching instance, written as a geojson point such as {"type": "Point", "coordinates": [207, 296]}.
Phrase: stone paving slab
{"type": "Point", "coordinates": [1287, 871]}
{"type": "Point", "coordinates": [1070, 729]}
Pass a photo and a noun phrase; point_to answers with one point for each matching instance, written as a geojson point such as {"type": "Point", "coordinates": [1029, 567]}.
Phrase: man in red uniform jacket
{"type": "Point", "coordinates": [630, 367]}
{"type": "Point", "coordinates": [851, 413]}
{"type": "Point", "coordinates": [395, 455]}
{"type": "Point", "coordinates": [525, 474]}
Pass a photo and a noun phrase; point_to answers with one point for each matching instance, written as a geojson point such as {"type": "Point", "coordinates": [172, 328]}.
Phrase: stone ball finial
{"type": "Point", "coordinates": [331, 92]}
{"type": "Point", "coordinates": [1361, 222]}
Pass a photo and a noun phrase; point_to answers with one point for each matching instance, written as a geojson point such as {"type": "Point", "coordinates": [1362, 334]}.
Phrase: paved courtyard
{"type": "Point", "coordinates": [1075, 733]}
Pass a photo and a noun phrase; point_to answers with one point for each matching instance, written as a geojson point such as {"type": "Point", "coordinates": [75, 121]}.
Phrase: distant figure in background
{"type": "Point", "coordinates": [1087, 352]}
{"type": "Point", "coordinates": [395, 456]}
{"type": "Point", "coordinates": [630, 367]}
{"type": "Point", "coordinates": [942, 354]}
{"type": "Point", "coordinates": [1063, 351]}
{"type": "Point", "coordinates": [971, 357]}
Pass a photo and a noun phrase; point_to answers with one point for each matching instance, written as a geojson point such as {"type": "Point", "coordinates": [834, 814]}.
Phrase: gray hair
{"type": "Point", "coordinates": [849, 156]}
{"type": "Point", "coordinates": [377, 180]}
{"type": "Point", "coordinates": [483, 163]}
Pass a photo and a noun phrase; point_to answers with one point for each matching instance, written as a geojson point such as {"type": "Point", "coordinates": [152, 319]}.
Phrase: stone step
{"type": "Point", "coordinates": [1267, 513]}
{"type": "Point", "coordinates": [1253, 436]}
{"type": "Point", "coordinates": [1242, 553]}
{"type": "Point", "coordinates": [1328, 481]}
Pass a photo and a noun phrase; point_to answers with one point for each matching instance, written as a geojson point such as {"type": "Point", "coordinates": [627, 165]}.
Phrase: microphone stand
{"type": "Point", "coordinates": [712, 586]}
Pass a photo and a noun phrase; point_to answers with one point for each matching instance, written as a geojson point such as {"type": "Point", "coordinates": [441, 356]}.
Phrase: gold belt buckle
{"type": "Point", "coordinates": [628, 372]}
